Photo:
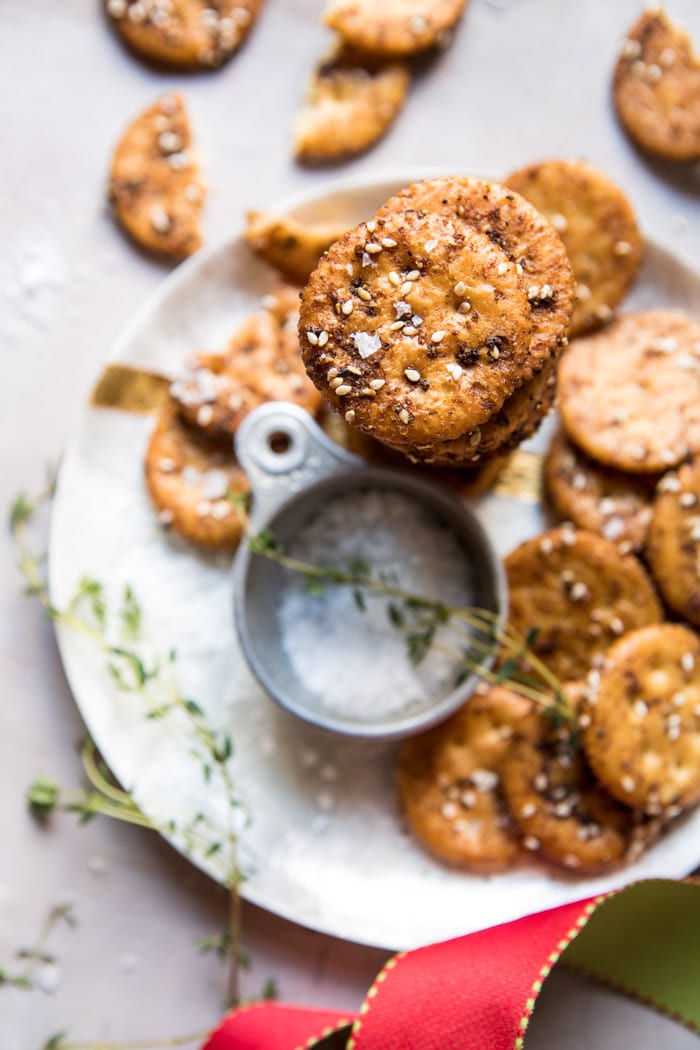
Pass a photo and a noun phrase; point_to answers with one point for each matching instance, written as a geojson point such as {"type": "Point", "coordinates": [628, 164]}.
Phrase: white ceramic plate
{"type": "Point", "coordinates": [325, 846]}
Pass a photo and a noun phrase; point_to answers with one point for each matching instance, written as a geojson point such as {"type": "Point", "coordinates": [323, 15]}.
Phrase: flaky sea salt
{"type": "Point", "coordinates": [354, 662]}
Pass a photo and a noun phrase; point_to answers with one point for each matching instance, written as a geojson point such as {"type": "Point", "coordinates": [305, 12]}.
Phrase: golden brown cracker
{"type": "Point", "coordinates": [155, 184]}
{"type": "Point", "coordinates": [597, 224]}
{"type": "Point", "coordinates": [394, 27]}
{"type": "Point", "coordinates": [673, 543]}
{"type": "Point", "coordinates": [291, 246]}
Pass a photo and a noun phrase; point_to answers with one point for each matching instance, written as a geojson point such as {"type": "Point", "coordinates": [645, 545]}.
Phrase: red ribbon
{"type": "Point", "coordinates": [475, 991]}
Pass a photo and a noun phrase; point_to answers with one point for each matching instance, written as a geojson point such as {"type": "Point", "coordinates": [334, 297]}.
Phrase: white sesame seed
{"type": "Point", "coordinates": [160, 220]}
{"type": "Point", "coordinates": [437, 337]}
{"type": "Point", "coordinates": [396, 326]}
{"type": "Point", "coordinates": [350, 415]}
{"type": "Point", "coordinates": [377, 384]}
{"type": "Point", "coordinates": [559, 222]}
{"type": "Point", "coordinates": [221, 509]}
{"type": "Point", "coordinates": [540, 782]}
{"type": "Point", "coordinates": [364, 294]}
{"type": "Point", "coordinates": [579, 481]}
{"type": "Point", "coordinates": [347, 307]}
{"type": "Point", "coordinates": [412, 374]}
{"type": "Point", "coordinates": [166, 464]}
{"type": "Point", "coordinates": [394, 278]}
{"type": "Point", "coordinates": [622, 247]}
{"type": "Point", "coordinates": [519, 269]}
{"type": "Point", "coordinates": [607, 506]}
{"type": "Point", "coordinates": [475, 438]}
{"type": "Point", "coordinates": [454, 369]}
{"type": "Point", "coordinates": [617, 626]}
{"type": "Point", "coordinates": [336, 382]}
{"type": "Point", "coordinates": [203, 509]}
{"type": "Point", "coordinates": [372, 248]}
{"type": "Point", "coordinates": [116, 8]}
{"type": "Point", "coordinates": [546, 545]}
{"type": "Point", "coordinates": [205, 415]}
{"type": "Point", "coordinates": [579, 592]}
{"type": "Point", "coordinates": [322, 338]}
{"type": "Point", "coordinates": [627, 784]}
{"type": "Point", "coordinates": [464, 307]}
{"type": "Point", "coordinates": [406, 287]}
{"type": "Point", "coordinates": [388, 242]}
{"type": "Point", "coordinates": [546, 291]}
{"type": "Point", "coordinates": [531, 843]}
{"type": "Point", "coordinates": [460, 288]}
{"type": "Point", "coordinates": [502, 268]}
{"type": "Point", "coordinates": [331, 374]}
{"type": "Point", "coordinates": [639, 452]}
{"type": "Point", "coordinates": [583, 291]}
{"type": "Point", "coordinates": [169, 142]}
{"type": "Point", "coordinates": [669, 483]}
{"type": "Point", "coordinates": [371, 226]}
{"type": "Point", "coordinates": [528, 810]}
{"type": "Point", "coordinates": [653, 72]}
{"type": "Point", "coordinates": [494, 353]}
{"type": "Point", "coordinates": [404, 416]}
{"type": "Point", "coordinates": [343, 390]}
{"type": "Point", "coordinates": [410, 330]}
{"type": "Point", "coordinates": [631, 49]}
{"type": "Point", "coordinates": [688, 662]}
{"type": "Point", "coordinates": [449, 810]}
{"type": "Point", "coordinates": [413, 275]}
{"type": "Point", "coordinates": [313, 338]}
{"type": "Point", "coordinates": [688, 499]}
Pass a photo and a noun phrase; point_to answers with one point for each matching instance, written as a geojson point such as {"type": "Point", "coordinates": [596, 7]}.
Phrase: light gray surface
{"type": "Point", "coordinates": [526, 78]}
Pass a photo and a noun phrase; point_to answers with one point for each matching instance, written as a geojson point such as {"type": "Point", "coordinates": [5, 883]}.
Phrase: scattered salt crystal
{"type": "Point", "coordinates": [366, 344]}
{"type": "Point", "coordinates": [327, 637]}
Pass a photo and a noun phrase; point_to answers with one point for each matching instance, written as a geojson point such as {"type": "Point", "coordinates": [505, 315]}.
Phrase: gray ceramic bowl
{"type": "Point", "coordinates": [294, 469]}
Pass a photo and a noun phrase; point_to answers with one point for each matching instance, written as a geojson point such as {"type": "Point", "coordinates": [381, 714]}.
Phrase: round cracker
{"type": "Point", "coordinates": [183, 34]}
{"type": "Point", "coordinates": [262, 363]}
{"type": "Point", "coordinates": [609, 502]}
{"type": "Point", "coordinates": [597, 224]}
{"type": "Point", "coordinates": [155, 185]}
{"type": "Point", "coordinates": [415, 327]}
{"type": "Point", "coordinates": [560, 810]}
{"type": "Point", "coordinates": [528, 240]}
{"type": "Point", "coordinates": [188, 477]}
{"type": "Point", "coordinates": [580, 593]}
{"type": "Point", "coordinates": [657, 88]}
{"type": "Point", "coordinates": [673, 545]}
{"type": "Point", "coordinates": [393, 27]}
{"type": "Point", "coordinates": [351, 101]}
{"type": "Point", "coordinates": [630, 396]}
{"type": "Point", "coordinates": [449, 783]}
{"type": "Point", "coordinates": [643, 733]}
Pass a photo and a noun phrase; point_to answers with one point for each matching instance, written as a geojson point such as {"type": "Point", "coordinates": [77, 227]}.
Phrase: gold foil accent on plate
{"type": "Point", "coordinates": [130, 390]}
{"type": "Point", "coordinates": [521, 478]}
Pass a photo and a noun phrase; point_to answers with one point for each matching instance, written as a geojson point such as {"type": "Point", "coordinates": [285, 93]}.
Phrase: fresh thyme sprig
{"type": "Point", "coordinates": [419, 617]}
{"type": "Point", "coordinates": [153, 682]}
{"type": "Point", "coordinates": [38, 952]}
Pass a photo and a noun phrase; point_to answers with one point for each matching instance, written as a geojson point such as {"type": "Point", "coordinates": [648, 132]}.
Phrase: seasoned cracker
{"type": "Point", "coordinates": [394, 27]}
{"type": "Point", "coordinates": [528, 240]}
{"type": "Point", "coordinates": [417, 344]}
{"type": "Point", "coordinates": [609, 502]}
{"type": "Point", "coordinates": [673, 545]}
{"type": "Point", "coordinates": [291, 246]}
{"type": "Point", "coordinates": [630, 396]}
{"type": "Point", "coordinates": [449, 783]}
{"type": "Point", "coordinates": [597, 224]}
{"type": "Point", "coordinates": [580, 593]}
{"type": "Point", "coordinates": [188, 477]}
{"type": "Point", "coordinates": [155, 184]}
{"type": "Point", "coordinates": [351, 100]}
{"type": "Point", "coordinates": [642, 737]}
{"type": "Point", "coordinates": [183, 34]}
{"type": "Point", "coordinates": [657, 88]}
{"type": "Point", "coordinates": [262, 363]}
{"type": "Point", "coordinates": [560, 810]}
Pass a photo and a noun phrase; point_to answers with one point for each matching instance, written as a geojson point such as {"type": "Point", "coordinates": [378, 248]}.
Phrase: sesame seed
{"type": "Point", "coordinates": [460, 288]}
{"type": "Point", "coordinates": [583, 291]}
{"type": "Point", "coordinates": [116, 8]}
{"type": "Point", "coordinates": [546, 545]}
{"type": "Point", "coordinates": [454, 369]}
{"type": "Point", "coordinates": [531, 843]}
{"type": "Point", "coordinates": [410, 330]}
{"type": "Point", "coordinates": [205, 415]}
{"type": "Point", "coordinates": [437, 337]}
{"type": "Point", "coordinates": [394, 278]}
{"type": "Point", "coordinates": [639, 452]}
{"type": "Point", "coordinates": [622, 247]}
{"type": "Point", "coordinates": [669, 483]}
{"type": "Point", "coordinates": [607, 506]}
{"type": "Point", "coordinates": [166, 464]}
{"type": "Point", "coordinates": [413, 275]}
{"type": "Point", "coordinates": [546, 291]}
{"type": "Point", "coordinates": [653, 72]}
{"type": "Point", "coordinates": [519, 269]}
{"type": "Point", "coordinates": [540, 782]}
{"type": "Point", "coordinates": [322, 338]}
{"type": "Point", "coordinates": [371, 226]}
{"type": "Point", "coordinates": [347, 307]}
{"type": "Point", "coordinates": [627, 784]}
{"type": "Point", "coordinates": [631, 48]}
{"type": "Point", "coordinates": [350, 415]}
{"type": "Point", "coordinates": [688, 662]}
{"type": "Point", "coordinates": [533, 291]}
{"type": "Point", "coordinates": [494, 353]}
{"type": "Point", "coordinates": [404, 416]}
{"type": "Point", "coordinates": [528, 810]}
{"type": "Point", "coordinates": [559, 222]}
{"type": "Point", "coordinates": [412, 374]}
{"type": "Point", "coordinates": [203, 509]}
{"type": "Point", "coordinates": [406, 287]}
{"type": "Point", "coordinates": [448, 810]}
{"type": "Point", "coordinates": [617, 626]}
{"type": "Point", "coordinates": [667, 57]}
{"type": "Point", "coordinates": [343, 390]}
{"type": "Point", "coordinates": [353, 370]}
{"type": "Point", "coordinates": [388, 242]}
{"type": "Point", "coordinates": [364, 294]}
{"type": "Point", "coordinates": [502, 268]}
{"type": "Point", "coordinates": [464, 307]}
{"type": "Point", "coordinates": [579, 592]}
{"type": "Point", "coordinates": [160, 220]}
{"type": "Point", "coordinates": [475, 438]}
{"type": "Point", "coordinates": [336, 382]}
{"type": "Point", "coordinates": [169, 142]}
{"type": "Point", "coordinates": [688, 499]}
{"type": "Point", "coordinates": [313, 338]}
{"type": "Point", "coordinates": [579, 481]}
{"type": "Point", "coordinates": [331, 374]}
{"type": "Point", "coordinates": [372, 248]}
{"type": "Point", "coordinates": [396, 326]}
{"type": "Point", "coordinates": [377, 384]}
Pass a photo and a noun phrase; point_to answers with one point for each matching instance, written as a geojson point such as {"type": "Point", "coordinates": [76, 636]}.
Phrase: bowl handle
{"type": "Point", "coordinates": [282, 450]}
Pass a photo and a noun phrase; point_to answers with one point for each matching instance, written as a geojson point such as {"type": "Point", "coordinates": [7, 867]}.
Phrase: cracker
{"type": "Point", "coordinates": [351, 101]}
{"type": "Point", "coordinates": [560, 810]}
{"type": "Point", "coordinates": [630, 396]}
{"type": "Point", "coordinates": [449, 783]}
{"type": "Point", "coordinates": [418, 344]}
{"type": "Point", "coordinates": [183, 34]}
{"type": "Point", "coordinates": [609, 502]}
{"type": "Point", "coordinates": [188, 478]}
{"type": "Point", "coordinates": [527, 239]}
{"type": "Point", "coordinates": [394, 27]}
{"type": "Point", "coordinates": [673, 545]}
{"type": "Point", "coordinates": [643, 733]}
{"type": "Point", "coordinates": [657, 88]}
{"type": "Point", "coordinates": [155, 184]}
{"type": "Point", "coordinates": [291, 246]}
{"type": "Point", "coordinates": [597, 224]}
{"type": "Point", "coordinates": [262, 363]}
{"type": "Point", "coordinates": [581, 594]}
